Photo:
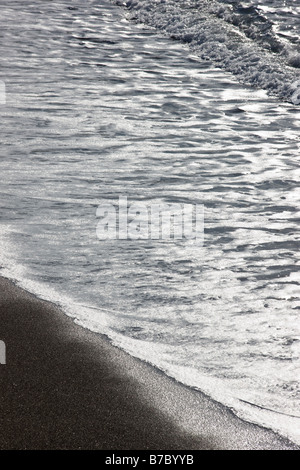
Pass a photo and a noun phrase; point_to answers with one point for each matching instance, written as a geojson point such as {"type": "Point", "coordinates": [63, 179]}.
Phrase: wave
{"type": "Point", "coordinates": [237, 38]}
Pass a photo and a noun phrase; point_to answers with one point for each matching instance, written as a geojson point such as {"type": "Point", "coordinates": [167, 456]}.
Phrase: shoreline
{"type": "Point", "coordinates": [65, 387]}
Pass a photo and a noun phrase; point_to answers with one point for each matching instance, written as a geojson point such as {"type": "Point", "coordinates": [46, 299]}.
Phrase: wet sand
{"type": "Point", "coordinates": [64, 387]}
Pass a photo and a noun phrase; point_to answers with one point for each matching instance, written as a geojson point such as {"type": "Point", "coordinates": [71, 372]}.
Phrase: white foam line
{"type": "Point", "coordinates": [216, 39]}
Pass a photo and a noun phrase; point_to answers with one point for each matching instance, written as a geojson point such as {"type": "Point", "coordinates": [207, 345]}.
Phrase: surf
{"type": "Point", "coordinates": [239, 39]}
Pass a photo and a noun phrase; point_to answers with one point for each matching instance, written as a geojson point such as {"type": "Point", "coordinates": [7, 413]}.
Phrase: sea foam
{"type": "Point", "coordinates": [238, 39]}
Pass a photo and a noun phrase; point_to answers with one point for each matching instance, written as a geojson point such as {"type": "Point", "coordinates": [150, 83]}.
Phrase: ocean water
{"type": "Point", "coordinates": [190, 102]}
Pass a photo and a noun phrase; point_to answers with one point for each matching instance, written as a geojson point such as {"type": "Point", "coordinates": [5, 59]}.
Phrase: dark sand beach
{"type": "Point", "coordinates": [64, 387]}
